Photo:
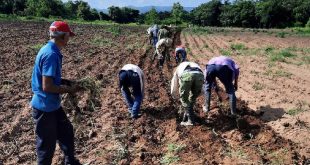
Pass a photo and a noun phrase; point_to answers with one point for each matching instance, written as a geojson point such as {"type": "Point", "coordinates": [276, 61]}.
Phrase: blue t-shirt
{"type": "Point", "coordinates": [48, 63]}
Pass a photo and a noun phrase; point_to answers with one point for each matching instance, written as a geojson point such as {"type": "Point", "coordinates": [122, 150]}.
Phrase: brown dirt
{"type": "Point", "coordinates": [280, 94]}
{"type": "Point", "coordinates": [108, 135]}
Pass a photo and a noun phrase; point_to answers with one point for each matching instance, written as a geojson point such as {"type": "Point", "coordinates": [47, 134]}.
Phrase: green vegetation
{"type": "Point", "coordinates": [238, 46]}
{"type": "Point", "coordinates": [99, 41]}
{"type": "Point", "coordinates": [257, 86]}
{"type": "Point", "coordinates": [281, 56]}
{"type": "Point", "coordinates": [241, 13]}
{"type": "Point", "coordinates": [171, 155]}
{"type": "Point", "coordinates": [281, 34]}
{"type": "Point", "coordinates": [306, 60]}
{"type": "Point", "coordinates": [115, 30]}
{"type": "Point", "coordinates": [36, 47]}
{"type": "Point", "coordinates": [225, 52]}
{"type": "Point", "coordinates": [294, 111]}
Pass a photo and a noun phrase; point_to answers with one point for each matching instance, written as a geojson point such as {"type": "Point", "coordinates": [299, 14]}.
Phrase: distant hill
{"type": "Point", "coordinates": [145, 9]}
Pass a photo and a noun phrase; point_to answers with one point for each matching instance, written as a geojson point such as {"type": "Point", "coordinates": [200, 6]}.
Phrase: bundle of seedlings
{"type": "Point", "coordinates": [86, 100]}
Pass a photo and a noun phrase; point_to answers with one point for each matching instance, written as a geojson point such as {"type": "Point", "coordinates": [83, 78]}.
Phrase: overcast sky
{"type": "Point", "coordinates": [103, 4]}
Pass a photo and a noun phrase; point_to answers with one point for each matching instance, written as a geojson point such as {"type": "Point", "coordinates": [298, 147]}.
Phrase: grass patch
{"type": "Point", "coordinates": [238, 153]}
{"type": "Point", "coordinates": [171, 155]}
{"type": "Point", "coordinates": [281, 73]}
{"type": "Point", "coordinates": [278, 157]}
{"type": "Point", "coordinates": [225, 52]}
{"type": "Point", "coordinates": [281, 56]}
{"type": "Point", "coordinates": [115, 30]}
{"type": "Point", "coordinates": [99, 41]}
{"type": "Point", "coordinates": [36, 47]}
{"type": "Point", "coordinates": [269, 49]}
{"type": "Point", "coordinates": [238, 46]}
{"type": "Point", "coordinates": [281, 34]}
{"type": "Point", "coordinates": [199, 30]}
{"type": "Point", "coordinates": [257, 86]}
{"type": "Point", "coordinates": [303, 32]}
{"type": "Point", "coordinates": [294, 111]}
{"type": "Point", "coordinates": [306, 60]}
{"type": "Point", "coordinates": [277, 73]}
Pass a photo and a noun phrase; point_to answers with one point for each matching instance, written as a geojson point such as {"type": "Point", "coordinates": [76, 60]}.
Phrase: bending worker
{"type": "Point", "coordinates": [154, 34]}
{"type": "Point", "coordinates": [163, 50]}
{"type": "Point", "coordinates": [227, 71]}
{"type": "Point", "coordinates": [189, 77]}
{"type": "Point", "coordinates": [131, 76]}
{"type": "Point", "coordinates": [180, 54]}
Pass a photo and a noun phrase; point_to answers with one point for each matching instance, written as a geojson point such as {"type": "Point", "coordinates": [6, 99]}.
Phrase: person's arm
{"type": "Point", "coordinates": [236, 83]}
{"type": "Point", "coordinates": [236, 79]}
{"type": "Point", "coordinates": [66, 82]}
{"type": "Point", "coordinates": [174, 84]}
{"type": "Point", "coordinates": [49, 86]}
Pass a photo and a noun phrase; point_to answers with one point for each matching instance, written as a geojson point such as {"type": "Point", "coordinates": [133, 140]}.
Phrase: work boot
{"type": "Point", "coordinates": [136, 116]}
{"type": "Point", "coordinates": [188, 123]}
{"type": "Point", "coordinates": [74, 162]}
{"type": "Point", "coordinates": [205, 109]}
{"type": "Point", "coordinates": [190, 115]}
{"type": "Point", "coordinates": [185, 118]}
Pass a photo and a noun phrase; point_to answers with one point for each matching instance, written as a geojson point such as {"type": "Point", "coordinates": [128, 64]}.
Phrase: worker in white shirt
{"type": "Point", "coordinates": [131, 76]}
{"type": "Point", "coordinates": [190, 79]}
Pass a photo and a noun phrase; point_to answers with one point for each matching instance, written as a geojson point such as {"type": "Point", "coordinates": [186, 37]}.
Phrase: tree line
{"type": "Point", "coordinates": [227, 13]}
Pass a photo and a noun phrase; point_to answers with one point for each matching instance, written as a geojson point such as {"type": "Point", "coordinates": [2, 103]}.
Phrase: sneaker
{"type": "Point", "coordinates": [188, 123]}
{"type": "Point", "coordinates": [74, 162]}
{"type": "Point", "coordinates": [136, 116]}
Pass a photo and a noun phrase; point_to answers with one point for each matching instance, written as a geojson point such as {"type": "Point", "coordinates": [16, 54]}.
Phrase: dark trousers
{"type": "Point", "coordinates": [225, 74]}
{"type": "Point", "coordinates": [155, 40]}
{"type": "Point", "coordinates": [134, 98]}
{"type": "Point", "coordinates": [166, 56]}
{"type": "Point", "coordinates": [177, 56]}
{"type": "Point", "coordinates": [49, 128]}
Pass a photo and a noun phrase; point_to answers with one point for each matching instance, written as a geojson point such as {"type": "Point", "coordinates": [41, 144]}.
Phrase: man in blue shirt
{"type": "Point", "coordinates": [51, 122]}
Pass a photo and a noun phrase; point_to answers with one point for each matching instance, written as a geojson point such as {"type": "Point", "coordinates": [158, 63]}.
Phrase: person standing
{"type": "Point", "coordinates": [51, 122]}
{"type": "Point", "coordinates": [131, 76]}
{"type": "Point", "coordinates": [189, 77]}
{"type": "Point", "coordinates": [225, 69]}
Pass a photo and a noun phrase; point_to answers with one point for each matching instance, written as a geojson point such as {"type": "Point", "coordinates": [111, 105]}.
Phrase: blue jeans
{"type": "Point", "coordinates": [51, 127]}
{"type": "Point", "coordinates": [134, 98]}
{"type": "Point", "coordinates": [225, 75]}
{"type": "Point", "coordinates": [183, 56]}
{"type": "Point", "coordinates": [155, 40]}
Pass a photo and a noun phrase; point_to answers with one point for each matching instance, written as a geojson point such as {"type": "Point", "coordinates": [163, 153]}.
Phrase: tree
{"type": "Point", "coordinates": [103, 16]}
{"type": "Point", "coordinates": [178, 13]}
{"type": "Point", "coordinates": [301, 11]}
{"type": "Point", "coordinates": [241, 14]}
{"type": "Point", "coordinates": [83, 11]}
{"type": "Point", "coordinates": [45, 8]}
{"type": "Point", "coordinates": [115, 13]}
{"type": "Point", "coordinates": [274, 13]}
{"type": "Point", "coordinates": [151, 17]}
{"type": "Point", "coordinates": [207, 14]}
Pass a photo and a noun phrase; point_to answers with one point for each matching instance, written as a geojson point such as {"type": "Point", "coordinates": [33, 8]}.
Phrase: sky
{"type": "Point", "coordinates": [103, 4]}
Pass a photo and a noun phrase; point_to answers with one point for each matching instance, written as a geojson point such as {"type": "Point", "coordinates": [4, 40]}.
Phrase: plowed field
{"type": "Point", "coordinates": [108, 136]}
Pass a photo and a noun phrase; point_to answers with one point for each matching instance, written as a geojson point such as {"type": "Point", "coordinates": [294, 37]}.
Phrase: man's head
{"type": "Point", "coordinates": [60, 33]}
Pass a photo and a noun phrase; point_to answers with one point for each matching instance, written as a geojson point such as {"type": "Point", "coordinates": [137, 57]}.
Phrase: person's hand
{"type": "Point", "coordinates": [236, 86]}
{"type": "Point", "coordinates": [75, 88]}
{"type": "Point", "coordinates": [66, 82]}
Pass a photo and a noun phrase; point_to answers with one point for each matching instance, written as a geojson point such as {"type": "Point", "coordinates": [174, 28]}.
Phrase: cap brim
{"type": "Point", "coordinates": [72, 34]}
